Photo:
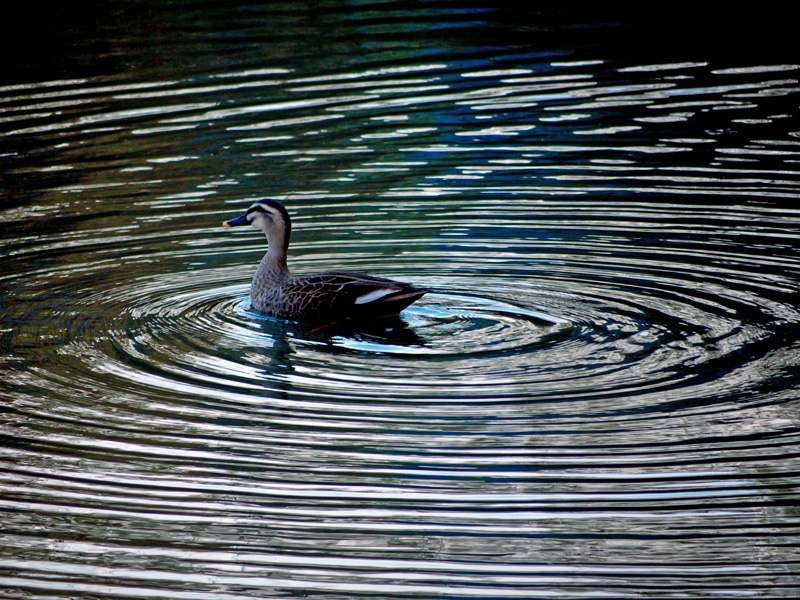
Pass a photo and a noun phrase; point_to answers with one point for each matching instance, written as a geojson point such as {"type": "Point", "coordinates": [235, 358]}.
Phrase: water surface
{"type": "Point", "coordinates": [598, 397]}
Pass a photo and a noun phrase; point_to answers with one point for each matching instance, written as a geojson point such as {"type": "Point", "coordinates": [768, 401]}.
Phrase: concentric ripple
{"type": "Point", "coordinates": [589, 336]}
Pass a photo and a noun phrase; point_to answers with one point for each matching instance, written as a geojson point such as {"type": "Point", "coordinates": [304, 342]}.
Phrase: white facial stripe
{"type": "Point", "coordinates": [262, 211]}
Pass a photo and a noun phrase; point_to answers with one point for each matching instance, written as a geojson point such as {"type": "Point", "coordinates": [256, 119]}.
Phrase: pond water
{"type": "Point", "coordinates": [600, 396]}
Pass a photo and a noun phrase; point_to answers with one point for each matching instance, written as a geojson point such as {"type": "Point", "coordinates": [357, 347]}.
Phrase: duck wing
{"type": "Point", "coordinates": [337, 295]}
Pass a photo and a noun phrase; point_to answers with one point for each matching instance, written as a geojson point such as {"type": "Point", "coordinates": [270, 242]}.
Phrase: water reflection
{"type": "Point", "coordinates": [597, 398]}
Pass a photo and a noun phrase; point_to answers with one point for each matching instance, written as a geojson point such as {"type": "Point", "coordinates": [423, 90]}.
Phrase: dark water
{"type": "Point", "coordinates": [599, 398]}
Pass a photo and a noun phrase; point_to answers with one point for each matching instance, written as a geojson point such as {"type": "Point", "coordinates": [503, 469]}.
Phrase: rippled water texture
{"type": "Point", "coordinates": [598, 398]}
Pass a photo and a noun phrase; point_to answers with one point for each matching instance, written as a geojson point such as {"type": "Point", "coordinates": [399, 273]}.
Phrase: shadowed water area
{"type": "Point", "coordinates": [599, 397]}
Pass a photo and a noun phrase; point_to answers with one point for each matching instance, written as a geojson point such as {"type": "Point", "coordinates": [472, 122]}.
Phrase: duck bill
{"type": "Point", "coordinates": [237, 221]}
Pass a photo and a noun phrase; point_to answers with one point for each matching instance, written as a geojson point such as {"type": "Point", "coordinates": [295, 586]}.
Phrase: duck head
{"type": "Point", "coordinates": [270, 216]}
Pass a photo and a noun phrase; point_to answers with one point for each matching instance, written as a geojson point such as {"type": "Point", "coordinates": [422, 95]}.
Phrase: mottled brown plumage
{"type": "Point", "coordinates": [325, 297]}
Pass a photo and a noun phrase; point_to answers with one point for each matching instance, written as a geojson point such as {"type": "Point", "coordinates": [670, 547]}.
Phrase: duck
{"type": "Point", "coordinates": [327, 297]}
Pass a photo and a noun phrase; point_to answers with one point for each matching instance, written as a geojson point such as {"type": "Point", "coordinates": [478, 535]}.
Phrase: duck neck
{"type": "Point", "coordinates": [275, 259]}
